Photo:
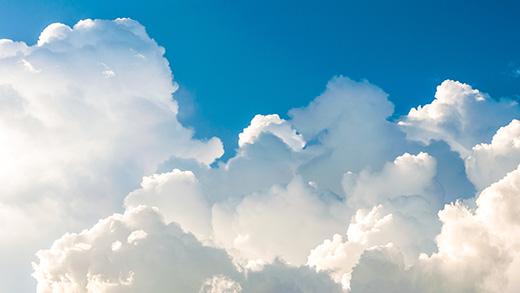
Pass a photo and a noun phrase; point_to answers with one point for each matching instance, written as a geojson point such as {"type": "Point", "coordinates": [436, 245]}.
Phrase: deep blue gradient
{"type": "Point", "coordinates": [234, 59]}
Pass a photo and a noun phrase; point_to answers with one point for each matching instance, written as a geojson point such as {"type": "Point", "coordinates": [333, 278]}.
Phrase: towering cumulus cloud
{"type": "Point", "coordinates": [84, 114]}
{"type": "Point", "coordinates": [334, 198]}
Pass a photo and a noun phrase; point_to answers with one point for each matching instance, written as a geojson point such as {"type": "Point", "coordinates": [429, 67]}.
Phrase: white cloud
{"type": "Point", "coordinates": [406, 175]}
{"type": "Point", "coordinates": [395, 205]}
{"type": "Point", "coordinates": [337, 188]}
{"type": "Point", "coordinates": [55, 31]}
{"type": "Point", "coordinates": [488, 163]}
{"type": "Point", "coordinates": [157, 257]}
{"type": "Point", "coordinates": [27, 66]}
{"type": "Point", "coordinates": [274, 125]}
{"type": "Point", "coordinates": [346, 129]}
{"type": "Point", "coordinates": [263, 205]}
{"type": "Point", "coordinates": [179, 196]}
{"type": "Point", "coordinates": [153, 256]}
{"type": "Point", "coordinates": [220, 284]}
{"type": "Point", "coordinates": [8, 48]}
{"type": "Point", "coordinates": [478, 249]}
{"type": "Point", "coordinates": [72, 142]}
{"type": "Point", "coordinates": [257, 227]}
{"type": "Point", "coordinates": [460, 115]}
{"type": "Point", "coordinates": [412, 233]}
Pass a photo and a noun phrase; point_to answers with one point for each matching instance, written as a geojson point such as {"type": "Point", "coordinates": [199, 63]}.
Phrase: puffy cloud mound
{"type": "Point", "coordinates": [488, 163]}
{"type": "Point", "coordinates": [406, 175]}
{"type": "Point", "coordinates": [220, 284]}
{"type": "Point", "coordinates": [258, 226]}
{"type": "Point", "coordinates": [371, 229]}
{"type": "Point", "coordinates": [336, 197]}
{"type": "Point", "coordinates": [179, 195]}
{"type": "Point", "coordinates": [137, 252]}
{"type": "Point", "coordinates": [460, 115]}
{"type": "Point", "coordinates": [274, 125]}
{"type": "Point", "coordinates": [83, 115]}
{"type": "Point", "coordinates": [347, 128]}
{"type": "Point", "coordinates": [478, 250]}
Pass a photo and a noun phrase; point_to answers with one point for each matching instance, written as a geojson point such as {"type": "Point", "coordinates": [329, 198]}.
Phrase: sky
{"type": "Point", "coordinates": [259, 146]}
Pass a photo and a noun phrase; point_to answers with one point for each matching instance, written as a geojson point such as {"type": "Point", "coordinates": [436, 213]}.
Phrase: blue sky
{"type": "Point", "coordinates": [234, 59]}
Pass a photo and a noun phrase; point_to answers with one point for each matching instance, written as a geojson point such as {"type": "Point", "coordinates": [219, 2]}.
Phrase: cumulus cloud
{"type": "Point", "coordinates": [477, 250]}
{"type": "Point", "coordinates": [72, 141]}
{"type": "Point", "coordinates": [490, 162]}
{"type": "Point", "coordinates": [155, 256]}
{"type": "Point", "coordinates": [257, 226]}
{"type": "Point", "coordinates": [406, 175]}
{"type": "Point", "coordinates": [264, 206]}
{"type": "Point", "coordinates": [460, 115]}
{"type": "Point", "coordinates": [336, 197]}
{"type": "Point", "coordinates": [179, 196]}
{"type": "Point", "coordinates": [348, 130]}
{"type": "Point", "coordinates": [271, 124]}
{"type": "Point", "coordinates": [396, 205]}
{"type": "Point", "coordinates": [370, 229]}
{"type": "Point", "coordinates": [151, 256]}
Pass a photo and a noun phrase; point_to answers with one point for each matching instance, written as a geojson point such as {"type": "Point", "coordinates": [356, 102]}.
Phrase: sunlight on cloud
{"type": "Point", "coordinates": [272, 124]}
{"type": "Point", "coordinates": [73, 142]}
{"type": "Point", "coordinates": [460, 115]}
{"type": "Point", "coordinates": [335, 198]}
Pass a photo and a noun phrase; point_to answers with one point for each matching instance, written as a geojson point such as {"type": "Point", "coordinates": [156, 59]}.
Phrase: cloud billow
{"type": "Point", "coordinates": [85, 113]}
{"type": "Point", "coordinates": [334, 198]}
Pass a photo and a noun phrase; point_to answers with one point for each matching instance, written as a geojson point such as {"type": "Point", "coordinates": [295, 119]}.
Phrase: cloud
{"type": "Point", "coordinates": [257, 226]}
{"type": "Point", "coordinates": [73, 142]}
{"type": "Point", "coordinates": [264, 210]}
{"type": "Point", "coordinates": [336, 197]}
{"type": "Point", "coordinates": [373, 228]}
{"type": "Point", "coordinates": [347, 129]}
{"type": "Point", "coordinates": [459, 115]}
{"type": "Point", "coordinates": [488, 163]}
{"type": "Point", "coordinates": [178, 194]}
{"type": "Point", "coordinates": [271, 124]}
{"type": "Point", "coordinates": [477, 249]}
{"type": "Point", "coordinates": [153, 255]}
{"type": "Point", "coordinates": [406, 175]}
{"type": "Point", "coordinates": [219, 284]}
{"type": "Point", "coordinates": [54, 32]}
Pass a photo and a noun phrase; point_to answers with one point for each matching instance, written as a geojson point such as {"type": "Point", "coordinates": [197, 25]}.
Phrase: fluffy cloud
{"type": "Point", "coordinates": [336, 196]}
{"type": "Point", "coordinates": [347, 129]}
{"type": "Point", "coordinates": [257, 226]}
{"type": "Point", "coordinates": [179, 195]}
{"type": "Point", "coordinates": [406, 175]}
{"type": "Point", "coordinates": [137, 251]}
{"type": "Point", "coordinates": [412, 232]}
{"type": "Point", "coordinates": [395, 205]}
{"type": "Point", "coordinates": [490, 162]}
{"type": "Point", "coordinates": [272, 124]}
{"type": "Point", "coordinates": [83, 115]}
{"type": "Point", "coordinates": [460, 115]}
{"type": "Point", "coordinates": [477, 250]}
